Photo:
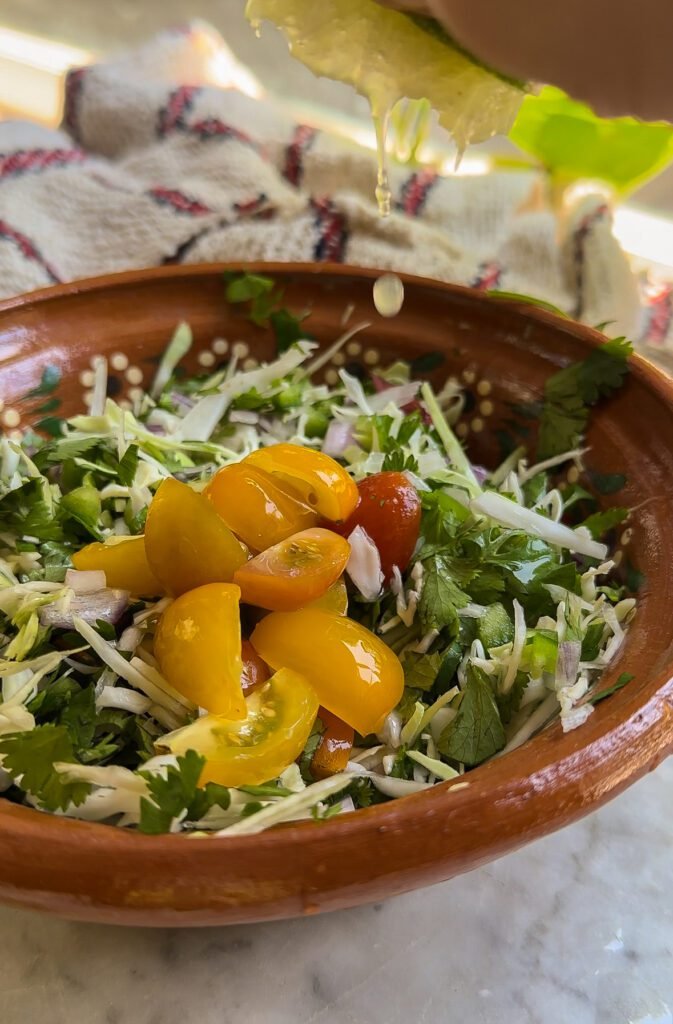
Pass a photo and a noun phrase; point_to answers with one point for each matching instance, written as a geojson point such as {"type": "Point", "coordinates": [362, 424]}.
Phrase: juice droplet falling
{"type": "Point", "coordinates": [382, 190]}
{"type": "Point", "coordinates": [388, 294]}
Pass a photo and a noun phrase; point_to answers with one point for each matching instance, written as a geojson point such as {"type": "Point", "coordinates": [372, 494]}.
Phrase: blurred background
{"type": "Point", "coordinates": [40, 39]}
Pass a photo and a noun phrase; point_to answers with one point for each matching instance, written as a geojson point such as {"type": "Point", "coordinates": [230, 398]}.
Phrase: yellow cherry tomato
{"type": "Point", "coordinates": [124, 562]}
{"type": "Point", "coordinates": [198, 646]}
{"type": "Point", "coordinates": [334, 600]}
{"type": "Point", "coordinates": [319, 481]}
{"type": "Point", "coordinates": [187, 543]}
{"type": "Point", "coordinates": [355, 675]}
{"type": "Point", "coordinates": [294, 572]}
{"type": "Point", "coordinates": [280, 715]}
{"type": "Point", "coordinates": [255, 508]}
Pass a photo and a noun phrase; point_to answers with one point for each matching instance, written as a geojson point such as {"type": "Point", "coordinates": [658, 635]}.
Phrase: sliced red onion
{"type": "Point", "coordinates": [364, 564]}
{"type": "Point", "coordinates": [480, 474]}
{"type": "Point", "coordinates": [568, 662]}
{"type": "Point", "coordinates": [338, 438]}
{"type": "Point", "coordinates": [401, 395]}
{"type": "Point", "coordinates": [107, 605]}
{"type": "Point", "coordinates": [85, 581]}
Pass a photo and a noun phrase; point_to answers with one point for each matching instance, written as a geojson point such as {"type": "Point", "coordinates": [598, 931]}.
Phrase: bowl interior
{"type": "Point", "coordinates": [503, 354]}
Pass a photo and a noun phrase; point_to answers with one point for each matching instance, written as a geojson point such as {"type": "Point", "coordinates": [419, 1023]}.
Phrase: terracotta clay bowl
{"type": "Point", "coordinates": [503, 352]}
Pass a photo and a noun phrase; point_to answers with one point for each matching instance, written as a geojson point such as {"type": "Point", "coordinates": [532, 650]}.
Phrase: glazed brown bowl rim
{"type": "Point", "coordinates": [525, 775]}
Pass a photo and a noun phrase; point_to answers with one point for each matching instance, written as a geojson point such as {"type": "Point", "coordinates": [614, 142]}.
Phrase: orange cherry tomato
{"type": "Point", "coordinates": [356, 676]}
{"type": "Point", "coordinates": [333, 600]}
{"type": "Point", "coordinates": [255, 508]}
{"type": "Point", "coordinates": [255, 671]}
{"type": "Point", "coordinates": [319, 481]}
{"type": "Point", "coordinates": [334, 749]}
{"type": "Point", "coordinates": [389, 510]}
{"type": "Point", "coordinates": [198, 646]}
{"type": "Point", "coordinates": [294, 572]}
{"type": "Point", "coordinates": [124, 562]}
{"type": "Point", "coordinates": [187, 543]}
{"type": "Point", "coordinates": [279, 719]}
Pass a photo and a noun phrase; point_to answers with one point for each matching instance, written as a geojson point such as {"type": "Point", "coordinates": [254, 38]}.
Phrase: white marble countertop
{"type": "Point", "coordinates": [575, 929]}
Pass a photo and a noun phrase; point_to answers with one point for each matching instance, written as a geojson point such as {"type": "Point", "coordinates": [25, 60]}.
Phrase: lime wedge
{"type": "Point", "coordinates": [388, 56]}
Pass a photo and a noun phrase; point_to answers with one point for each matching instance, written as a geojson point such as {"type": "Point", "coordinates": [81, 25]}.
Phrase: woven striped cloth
{"type": "Point", "coordinates": [153, 165]}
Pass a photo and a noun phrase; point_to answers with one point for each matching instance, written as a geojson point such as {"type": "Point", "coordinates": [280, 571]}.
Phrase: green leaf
{"type": "Point", "coordinates": [27, 512]}
{"type": "Point", "coordinates": [84, 506]}
{"type": "Point", "coordinates": [440, 596]}
{"type": "Point", "coordinates": [51, 377]}
{"type": "Point", "coordinates": [243, 287]}
{"type": "Point", "coordinates": [29, 758]}
{"type": "Point", "coordinates": [495, 627]}
{"type": "Point", "coordinates": [572, 143]}
{"type": "Point", "coordinates": [287, 328]}
{"type": "Point", "coordinates": [591, 643]}
{"type": "Point", "coordinates": [56, 452]}
{"type": "Point", "coordinates": [172, 795]}
{"type": "Point", "coordinates": [126, 468]}
{"type": "Point", "coordinates": [606, 483]}
{"type": "Point", "coordinates": [79, 717]}
{"type": "Point", "coordinates": [624, 678]}
{"type": "Point", "coordinates": [477, 731]}
{"type": "Point", "coordinates": [571, 391]}
{"type": "Point", "coordinates": [427, 363]}
{"type": "Point", "coordinates": [634, 578]}
{"type": "Point", "coordinates": [421, 670]}
{"type": "Point", "coordinates": [509, 703]}
{"type": "Point", "coordinates": [397, 462]}
{"type": "Point", "coordinates": [306, 756]}
{"type": "Point", "coordinates": [600, 522]}
{"type": "Point", "coordinates": [528, 300]}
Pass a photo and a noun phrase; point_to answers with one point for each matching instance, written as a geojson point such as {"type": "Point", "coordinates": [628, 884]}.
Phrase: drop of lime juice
{"type": "Point", "coordinates": [388, 294]}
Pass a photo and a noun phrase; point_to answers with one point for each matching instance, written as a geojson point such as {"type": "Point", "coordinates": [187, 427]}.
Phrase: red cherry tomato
{"type": "Point", "coordinates": [389, 510]}
{"type": "Point", "coordinates": [255, 671]}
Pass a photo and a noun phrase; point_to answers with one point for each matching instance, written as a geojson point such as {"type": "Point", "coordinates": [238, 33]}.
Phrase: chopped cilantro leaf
{"type": "Point", "coordinates": [177, 795]}
{"type": "Point", "coordinates": [571, 391]}
{"type": "Point", "coordinates": [30, 756]}
{"type": "Point", "coordinates": [441, 595]}
{"type": "Point", "coordinates": [421, 670]}
{"type": "Point", "coordinates": [623, 679]}
{"type": "Point", "coordinates": [600, 523]}
{"type": "Point", "coordinates": [477, 731]}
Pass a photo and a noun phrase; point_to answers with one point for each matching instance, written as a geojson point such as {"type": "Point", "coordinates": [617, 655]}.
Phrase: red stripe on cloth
{"type": "Point", "coordinates": [415, 192]}
{"type": "Point", "coordinates": [257, 208]}
{"type": "Point", "coordinates": [34, 160]}
{"type": "Point", "coordinates": [659, 304]}
{"type": "Point", "coordinates": [178, 201]}
{"type": "Point", "coordinates": [332, 230]}
{"type": "Point", "coordinates": [172, 116]}
{"type": "Point", "coordinates": [28, 249]}
{"type": "Point", "coordinates": [213, 128]}
{"type": "Point", "coordinates": [488, 276]}
{"type": "Point", "coordinates": [303, 138]}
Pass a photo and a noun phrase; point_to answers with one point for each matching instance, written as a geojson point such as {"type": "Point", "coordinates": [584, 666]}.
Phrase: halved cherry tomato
{"type": "Point", "coordinates": [334, 749]}
{"type": "Point", "coordinates": [319, 481]}
{"type": "Point", "coordinates": [255, 508]}
{"type": "Point", "coordinates": [187, 543]}
{"type": "Point", "coordinates": [124, 562]}
{"type": "Point", "coordinates": [198, 647]}
{"type": "Point", "coordinates": [356, 676]}
{"type": "Point", "coordinates": [279, 719]}
{"type": "Point", "coordinates": [389, 510]}
{"type": "Point", "coordinates": [333, 600]}
{"type": "Point", "coordinates": [255, 671]}
{"type": "Point", "coordinates": [294, 572]}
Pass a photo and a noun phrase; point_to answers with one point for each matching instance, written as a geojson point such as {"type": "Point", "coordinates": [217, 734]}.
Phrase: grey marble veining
{"type": "Point", "coordinates": [575, 929]}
